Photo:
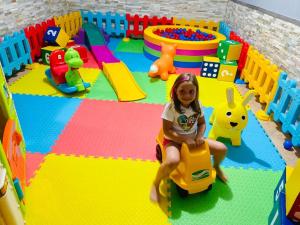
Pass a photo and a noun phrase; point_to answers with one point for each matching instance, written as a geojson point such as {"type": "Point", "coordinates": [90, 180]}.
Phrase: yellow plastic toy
{"type": "Point", "coordinates": [230, 118]}
{"type": "Point", "coordinates": [194, 173]}
{"type": "Point", "coordinates": [292, 188]}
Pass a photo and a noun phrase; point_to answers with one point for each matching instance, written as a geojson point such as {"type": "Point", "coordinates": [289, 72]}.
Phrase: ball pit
{"type": "Point", "coordinates": [184, 34]}
{"type": "Point", "coordinates": [189, 53]}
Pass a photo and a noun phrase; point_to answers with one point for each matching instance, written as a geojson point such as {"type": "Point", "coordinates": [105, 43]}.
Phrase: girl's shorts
{"type": "Point", "coordinates": [168, 141]}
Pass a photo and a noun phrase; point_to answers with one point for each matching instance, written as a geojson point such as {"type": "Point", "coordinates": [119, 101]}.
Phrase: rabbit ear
{"type": "Point", "coordinates": [248, 96]}
{"type": "Point", "coordinates": [229, 96]}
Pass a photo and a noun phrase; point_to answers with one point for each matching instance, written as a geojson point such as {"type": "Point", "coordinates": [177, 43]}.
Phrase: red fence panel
{"type": "Point", "coordinates": [245, 47]}
{"type": "Point", "coordinates": [137, 24]}
{"type": "Point", "coordinates": [35, 35]}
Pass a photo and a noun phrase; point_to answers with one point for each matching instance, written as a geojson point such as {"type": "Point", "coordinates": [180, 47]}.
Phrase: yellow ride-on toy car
{"type": "Point", "coordinates": [194, 173]}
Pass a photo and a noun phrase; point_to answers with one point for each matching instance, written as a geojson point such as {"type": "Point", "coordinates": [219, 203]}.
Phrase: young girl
{"type": "Point", "coordinates": [183, 121]}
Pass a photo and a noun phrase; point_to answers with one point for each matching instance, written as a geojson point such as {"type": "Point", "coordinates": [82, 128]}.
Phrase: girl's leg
{"type": "Point", "coordinates": [218, 150]}
{"type": "Point", "coordinates": [168, 165]}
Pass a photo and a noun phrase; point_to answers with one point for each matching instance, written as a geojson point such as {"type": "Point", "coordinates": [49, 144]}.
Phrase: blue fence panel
{"type": "Point", "coordinates": [14, 52]}
{"type": "Point", "coordinates": [286, 107]}
{"type": "Point", "coordinates": [224, 29]}
{"type": "Point", "coordinates": [112, 24]}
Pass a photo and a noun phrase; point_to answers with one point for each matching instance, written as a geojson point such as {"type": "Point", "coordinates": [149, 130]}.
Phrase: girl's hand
{"type": "Point", "coordinates": [190, 143]}
{"type": "Point", "coordinates": [199, 141]}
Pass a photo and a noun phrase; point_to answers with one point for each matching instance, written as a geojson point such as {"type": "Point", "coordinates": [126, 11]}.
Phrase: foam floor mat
{"type": "Point", "coordinates": [36, 83]}
{"type": "Point", "coordinates": [195, 71]}
{"type": "Point", "coordinates": [107, 128]}
{"type": "Point", "coordinates": [154, 87]}
{"type": "Point", "coordinates": [113, 43]}
{"type": "Point", "coordinates": [246, 200]}
{"type": "Point", "coordinates": [102, 90]}
{"type": "Point", "coordinates": [256, 151]}
{"type": "Point", "coordinates": [33, 162]}
{"type": "Point", "coordinates": [42, 119]}
{"type": "Point", "coordinates": [133, 46]}
{"type": "Point", "coordinates": [211, 91]}
{"type": "Point", "coordinates": [134, 61]}
{"type": "Point", "coordinates": [78, 190]}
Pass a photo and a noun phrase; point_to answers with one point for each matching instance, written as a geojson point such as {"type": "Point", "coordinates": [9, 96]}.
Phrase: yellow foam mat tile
{"type": "Point", "coordinates": [211, 91]}
{"type": "Point", "coordinates": [35, 82]}
{"type": "Point", "coordinates": [70, 190]}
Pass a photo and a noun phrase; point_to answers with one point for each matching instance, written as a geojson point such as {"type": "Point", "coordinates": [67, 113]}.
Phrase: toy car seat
{"type": "Point", "coordinates": [194, 172]}
{"type": "Point", "coordinates": [58, 66]}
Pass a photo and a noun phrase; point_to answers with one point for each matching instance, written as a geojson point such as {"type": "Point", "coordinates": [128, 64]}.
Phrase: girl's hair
{"type": "Point", "coordinates": [180, 79]}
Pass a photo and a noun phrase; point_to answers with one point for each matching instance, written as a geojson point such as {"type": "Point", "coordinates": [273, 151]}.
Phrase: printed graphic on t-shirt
{"type": "Point", "coordinates": [186, 123]}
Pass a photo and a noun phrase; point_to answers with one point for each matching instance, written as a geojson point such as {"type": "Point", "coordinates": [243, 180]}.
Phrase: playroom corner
{"type": "Point", "coordinates": [83, 89]}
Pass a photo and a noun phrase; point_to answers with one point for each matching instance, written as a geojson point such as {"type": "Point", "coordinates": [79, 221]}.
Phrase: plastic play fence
{"type": "Point", "coordinates": [112, 24]}
{"type": "Point", "coordinates": [137, 24]}
{"type": "Point", "coordinates": [245, 47]}
{"type": "Point", "coordinates": [261, 75]}
{"type": "Point", "coordinates": [35, 35]}
{"type": "Point", "coordinates": [14, 52]}
{"type": "Point", "coordinates": [224, 29]}
{"type": "Point", "coordinates": [210, 25]}
{"type": "Point", "coordinates": [286, 107]}
{"type": "Point", "coordinates": [70, 22]}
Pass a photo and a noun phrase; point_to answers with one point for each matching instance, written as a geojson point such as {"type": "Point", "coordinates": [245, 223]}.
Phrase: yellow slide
{"type": "Point", "coordinates": [123, 82]}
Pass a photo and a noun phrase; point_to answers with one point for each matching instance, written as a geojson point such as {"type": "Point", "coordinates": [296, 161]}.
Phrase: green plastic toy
{"type": "Point", "coordinates": [74, 62]}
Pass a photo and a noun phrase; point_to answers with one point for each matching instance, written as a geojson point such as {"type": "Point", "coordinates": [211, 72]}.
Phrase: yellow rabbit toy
{"type": "Point", "coordinates": [229, 119]}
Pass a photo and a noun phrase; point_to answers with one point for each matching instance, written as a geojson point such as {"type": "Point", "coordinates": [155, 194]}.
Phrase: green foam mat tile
{"type": "Point", "coordinates": [155, 88]}
{"type": "Point", "coordinates": [246, 200]}
{"type": "Point", "coordinates": [102, 90]}
{"type": "Point", "coordinates": [133, 46]}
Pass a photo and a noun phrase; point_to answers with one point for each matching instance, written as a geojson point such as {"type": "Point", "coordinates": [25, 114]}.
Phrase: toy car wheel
{"type": "Point", "coordinates": [158, 153]}
{"type": "Point", "coordinates": [182, 192]}
{"type": "Point", "coordinates": [209, 188]}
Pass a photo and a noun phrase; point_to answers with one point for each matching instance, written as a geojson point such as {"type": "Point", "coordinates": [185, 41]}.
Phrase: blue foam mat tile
{"type": "Point", "coordinates": [256, 151]}
{"type": "Point", "coordinates": [113, 43]}
{"type": "Point", "coordinates": [136, 62]}
{"type": "Point", "coordinates": [43, 118]}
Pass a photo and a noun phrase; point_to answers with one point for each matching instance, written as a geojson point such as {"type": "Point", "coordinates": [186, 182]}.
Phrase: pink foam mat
{"type": "Point", "coordinates": [33, 162]}
{"type": "Point", "coordinates": [112, 129]}
{"type": "Point", "coordinates": [195, 71]}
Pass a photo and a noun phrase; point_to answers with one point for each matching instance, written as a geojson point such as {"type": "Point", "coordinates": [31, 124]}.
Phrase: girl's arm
{"type": "Point", "coordinates": [169, 132]}
{"type": "Point", "coordinates": [201, 127]}
{"type": "Point", "coordinates": [200, 132]}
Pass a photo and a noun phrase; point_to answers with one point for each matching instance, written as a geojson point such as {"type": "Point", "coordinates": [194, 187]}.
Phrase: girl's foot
{"type": "Point", "coordinates": [154, 194]}
{"type": "Point", "coordinates": [220, 174]}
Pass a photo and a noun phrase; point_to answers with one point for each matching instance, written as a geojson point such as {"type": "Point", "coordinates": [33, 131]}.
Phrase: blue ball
{"type": "Point", "coordinates": [287, 144]}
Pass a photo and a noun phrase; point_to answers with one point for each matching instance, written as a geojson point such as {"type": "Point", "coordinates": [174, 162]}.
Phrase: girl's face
{"type": "Point", "coordinates": [186, 93]}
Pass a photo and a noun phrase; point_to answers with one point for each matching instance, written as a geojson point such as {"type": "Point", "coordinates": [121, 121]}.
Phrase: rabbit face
{"type": "Point", "coordinates": [232, 118]}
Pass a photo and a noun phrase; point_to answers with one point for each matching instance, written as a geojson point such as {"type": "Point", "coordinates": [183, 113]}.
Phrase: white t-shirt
{"type": "Point", "coordinates": [183, 123]}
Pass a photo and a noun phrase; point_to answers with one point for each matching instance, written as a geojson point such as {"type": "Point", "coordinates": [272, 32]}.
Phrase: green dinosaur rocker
{"type": "Point", "coordinates": [74, 62]}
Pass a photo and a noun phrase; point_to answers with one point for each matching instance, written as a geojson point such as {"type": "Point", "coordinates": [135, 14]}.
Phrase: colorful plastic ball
{"type": "Point", "coordinates": [287, 144]}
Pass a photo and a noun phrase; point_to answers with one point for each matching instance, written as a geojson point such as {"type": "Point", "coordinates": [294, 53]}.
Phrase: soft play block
{"type": "Point", "coordinates": [210, 67]}
{"type": "Point", "coordinates": [46, 51]}
{"type": "Point", "coordinates": [227, 70]}
{"type": "Point", "coordinates": [229, 50]}
{"type": "Point", "coordinates": [292, 193]}
{"type": "Point", "coordinates": [56, 35]}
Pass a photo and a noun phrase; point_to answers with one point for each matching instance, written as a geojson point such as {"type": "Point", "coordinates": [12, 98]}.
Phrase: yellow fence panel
{"type": "Point", "coordinates": [210, 25]}
{"type": "Point", "coordinates": [70, 22]}
{"type": "Point", "coordinates": [262, 76]}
